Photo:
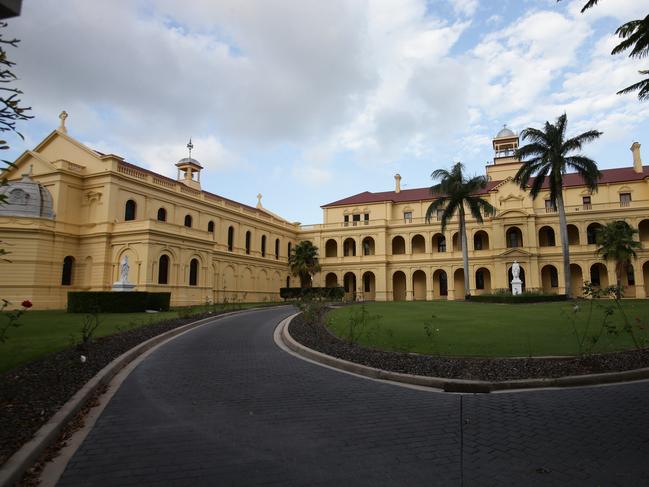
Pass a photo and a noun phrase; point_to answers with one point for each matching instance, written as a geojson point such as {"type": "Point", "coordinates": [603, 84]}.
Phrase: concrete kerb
{"type": "Point", "coordinates": [458, 385]}
{"type": "Point", "coordinates": [14, 468]}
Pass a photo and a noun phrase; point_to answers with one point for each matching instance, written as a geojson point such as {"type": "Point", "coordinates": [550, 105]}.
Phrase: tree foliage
{"type": "Point", "coordinates": [548, 156]}
{"type": "Point", "coordinates": [303, 262]}
{"type": "Point", "coordinates": [615, 242]}
{"type": "Point", "coordinates": [454, 194]}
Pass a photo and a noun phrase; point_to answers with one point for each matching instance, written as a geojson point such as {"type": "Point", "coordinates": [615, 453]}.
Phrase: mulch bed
{"type": "Point", "coordinates": [318, 337]}
{"type": "Point", "coordinates": [32, 393]}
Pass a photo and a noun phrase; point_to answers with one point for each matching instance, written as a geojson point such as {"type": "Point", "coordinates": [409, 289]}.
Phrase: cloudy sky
{"type": "Point", "coordinates": [308, 101]}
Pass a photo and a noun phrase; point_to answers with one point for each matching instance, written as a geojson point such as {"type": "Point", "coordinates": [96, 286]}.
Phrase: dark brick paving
{"type": "Point", "coordinates": [222, 405]}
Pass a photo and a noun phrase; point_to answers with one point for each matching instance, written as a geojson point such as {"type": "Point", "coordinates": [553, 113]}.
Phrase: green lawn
{"type": "Point", "coordinates": [44, 332]}
{"type": "Point", "coordinates": [481, 329]}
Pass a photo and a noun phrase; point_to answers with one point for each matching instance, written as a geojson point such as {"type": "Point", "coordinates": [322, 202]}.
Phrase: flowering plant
{"type": "Point", "coordinates": [12, 317]}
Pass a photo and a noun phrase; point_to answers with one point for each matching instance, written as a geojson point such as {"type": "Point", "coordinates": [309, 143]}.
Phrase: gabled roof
{"type": "Point", "coordinates": [616, 175]}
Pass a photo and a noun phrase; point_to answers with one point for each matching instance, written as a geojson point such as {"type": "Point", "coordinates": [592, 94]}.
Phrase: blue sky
{"type": "Point", "coordinates": [308, 102]}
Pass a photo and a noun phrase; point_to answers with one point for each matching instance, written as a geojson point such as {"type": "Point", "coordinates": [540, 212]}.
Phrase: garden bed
{"type": "Point", "coordinates": [318, 337]}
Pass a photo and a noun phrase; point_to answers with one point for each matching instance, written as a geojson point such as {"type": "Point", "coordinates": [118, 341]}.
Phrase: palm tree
{"type": "Point", "coordinates": [615, 241]}
{"type": "Point", "coordinates": [548, 157]}
{"type": "Point", "coordinates": [303, 262]}
{"type": "Point", "coordinates": [636, 37]}
{"type": "Point", "coordinates": [455, 193]}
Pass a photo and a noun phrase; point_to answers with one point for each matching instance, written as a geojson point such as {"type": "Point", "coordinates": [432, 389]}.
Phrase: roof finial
{"type": "Point", "coordinates": [259, 201]}
{"type": "Point", "coordinates": [63, 115]}
{"type": "Point", "coordinates": [190, 146]}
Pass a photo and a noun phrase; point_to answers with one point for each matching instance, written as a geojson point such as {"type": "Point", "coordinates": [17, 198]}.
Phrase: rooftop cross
{"type": "Point", "coordinates": [190, 146]}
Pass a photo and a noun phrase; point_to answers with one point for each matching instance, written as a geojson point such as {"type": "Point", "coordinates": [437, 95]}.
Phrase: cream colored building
{"type": "Point", "coordinates": [73, 212]}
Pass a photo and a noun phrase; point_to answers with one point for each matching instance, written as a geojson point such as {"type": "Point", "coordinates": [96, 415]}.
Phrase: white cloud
{"type": "Point", "coordinates": [312, 175]}
{"type": "Point", "coordinates": [465, 7]}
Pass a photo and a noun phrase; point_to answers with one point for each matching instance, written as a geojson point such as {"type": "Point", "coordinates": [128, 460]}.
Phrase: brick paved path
{"type": "Point", "coordinates": [222, 405]}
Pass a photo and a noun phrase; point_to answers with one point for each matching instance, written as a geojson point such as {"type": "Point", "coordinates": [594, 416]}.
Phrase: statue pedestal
{"type": "Point", "coordinates": [123, 286]}
{"type": "Point", "coordinates": [517, 287]}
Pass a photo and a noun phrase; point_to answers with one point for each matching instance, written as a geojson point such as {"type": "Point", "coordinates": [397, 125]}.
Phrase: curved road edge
{"type": "Point", "coordinates": [451, 385]}
{"type": "Point", "coordinates": [15, 467]}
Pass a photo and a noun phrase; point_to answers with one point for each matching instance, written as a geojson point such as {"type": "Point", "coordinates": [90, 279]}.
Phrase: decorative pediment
{"type": "Point", "coordinates": [497, 187]}
{"type": "Point", "coordinates": [512, 213]}
{"type": "Point", "coordinates": [516, 252]}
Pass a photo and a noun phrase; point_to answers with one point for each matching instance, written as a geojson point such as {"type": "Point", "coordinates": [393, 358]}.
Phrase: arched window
{"type": "Point", "coordinates": [129, 210]}
{"type": "Point", "coordinates": [276, 248]}
{"type": "Point", "coordinates": [288, 280]}
{"type": "Point", "coordinates": [514, 237]}
{"type": "Point", "coordinates": [188, 221]}
{"type": "Point", "coordinates": [248, 235]}
{"type": "Point", "coordinates": [193, 272]}
{"type": "Point", "coordinates": [210, 227]}
{"type": "Point", "coordinates": [163, 269]}
{"type": "Point", "coordinates": [289, 250]}
{"type": "Point", "coordinates": [66, 275]}
{"type": "Point", "coordinates": [162, 215]}
{"type": "Point", "coordinates": [263, 245]}
{"type": "Point", "coordinates": [591, 233]}
{"type": "Point", "coordinates": [230, 239]}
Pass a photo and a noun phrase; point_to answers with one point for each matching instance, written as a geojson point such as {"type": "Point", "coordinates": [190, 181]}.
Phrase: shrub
{"type": "Point", "coordinates": [324, 293]}
{"type": "Point", "coordinates": [116, 302]}
{"type": "Point", "coordinates": [504, 296]}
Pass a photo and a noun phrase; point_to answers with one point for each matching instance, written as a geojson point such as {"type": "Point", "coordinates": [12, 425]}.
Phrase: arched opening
{"type": "Point", "coordinates": [163, 269]}
{"type": "Point", "coordinates": [643, 229]}
{"type": "Point", "coordinates": [248, 238]}
{"type": "Point", "coordinates": [331, 280]}
{"type": "Point", "coordinates": [230, 239]}
{"type": "Point", "coordinates": [66, 275]}
{"type": "Point", "coordinates": [573, 235]}
{"type": "Point", "coordinates": [193, 272]}
{"type": "Point", "coordinates": [418, 244]}
{"type": "Point", "coordinates": [162, 215]}
{"type": "Point", "coordinates": [457, 242]}
{"type": "Point", "coordinates": [576, 281]}
{"type": "Point", "coordinates": [210, 227]}
{"type": "Point", "coordinates": [591, 233]}
{"type": "Point", "coordinates": [549, 279]}
{"type": "Point", "coordinates": [399, 286]}
{"type": "Point", "coordinates": [419, 285]}
{"type": "Point", "coordinates": [349, 283]}
{"type": "Point", "coordinates": [263, 245]}
{"type": "Point", "coordinates": [514, 237]}
{"type": "Point", "coordinates": [481, 240]}
{"type": "Point", "coordinates": [369, 286]}
{"type": "Point", "coordinates": [546, 237]}
{"type": "Point", "coordinates": [349, 247]}
{"type": "Point", "coordinates": [368, 246]}
{"type": "Point", "coordinates": [439, 243]}
{"type": "Point", "coordinates": [288, 281]}
{"type": "Point", "coordinates": [331, 248]}
{"type": "Point", "coordinates": [276, 249]}
{"type": "Point", "coordinates": [129, 210]}
{"type": "Point", "coordinates": [598, 275]}
{"type": "Point", "coordinates": [188, 221]}
{"type": "Point", "coordinates": [440, 284]}
{"type": "Point", "coordinates": [628, 282]}
{"type": "Point", "coordinates": [521, 276]}
{"type": "Point", "coordinates": [398, 246]}
{"type": "Point", "coordinates": [482, 280]}
{"type": "Point", "coordinates": [458, 283]}
{"type": "Point", "coordinates": [289, 247]}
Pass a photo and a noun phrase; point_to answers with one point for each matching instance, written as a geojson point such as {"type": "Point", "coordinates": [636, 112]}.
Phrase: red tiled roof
{"type": "Point", "coordinates": [616, 175]}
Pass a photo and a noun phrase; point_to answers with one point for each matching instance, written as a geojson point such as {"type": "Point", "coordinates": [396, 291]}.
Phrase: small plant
{"type": "Point", "coordinates": [311, 312]}
{"type": "Point", "coordinates": [89, 326]}
{"type": "Point", "coordinates": [12, 317]}
{"type": "Point", "coordinates": [361, 322]}
{"type": "Point", "coordinates": [432, 333]}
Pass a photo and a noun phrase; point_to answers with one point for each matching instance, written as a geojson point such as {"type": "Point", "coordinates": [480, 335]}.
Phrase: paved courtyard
{"type": "Point", "coordinates": [223, 405]}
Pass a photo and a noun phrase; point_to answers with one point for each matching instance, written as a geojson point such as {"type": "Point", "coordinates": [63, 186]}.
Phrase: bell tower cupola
{"type": "Point", "coordinates": [506, 163]}
{"type": "Point", "coordinates": [190, 169]}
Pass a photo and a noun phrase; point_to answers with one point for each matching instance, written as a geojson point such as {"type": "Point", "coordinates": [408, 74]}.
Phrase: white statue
{"type": "Point", "coordinates": [516, 270]}
{"type": "Point", "coordinates": [123, 270]}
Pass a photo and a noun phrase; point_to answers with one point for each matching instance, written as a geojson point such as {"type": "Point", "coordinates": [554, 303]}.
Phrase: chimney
{"type": "Point", "coordinates": [637, 161]}
{"type": "Point", "coordinates": [397, 182]}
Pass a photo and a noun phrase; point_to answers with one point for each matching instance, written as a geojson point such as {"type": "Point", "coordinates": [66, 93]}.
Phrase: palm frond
{"type": "Point", "coordinates": [642, 87]}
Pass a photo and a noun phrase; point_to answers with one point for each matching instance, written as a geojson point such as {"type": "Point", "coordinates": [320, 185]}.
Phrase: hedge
{"type": "Point", "coordinates": [116, 301]}
{"type": "Point", "coordinates": [327, 293]}
{"type": "Point", "coordinates": [518, 299]}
